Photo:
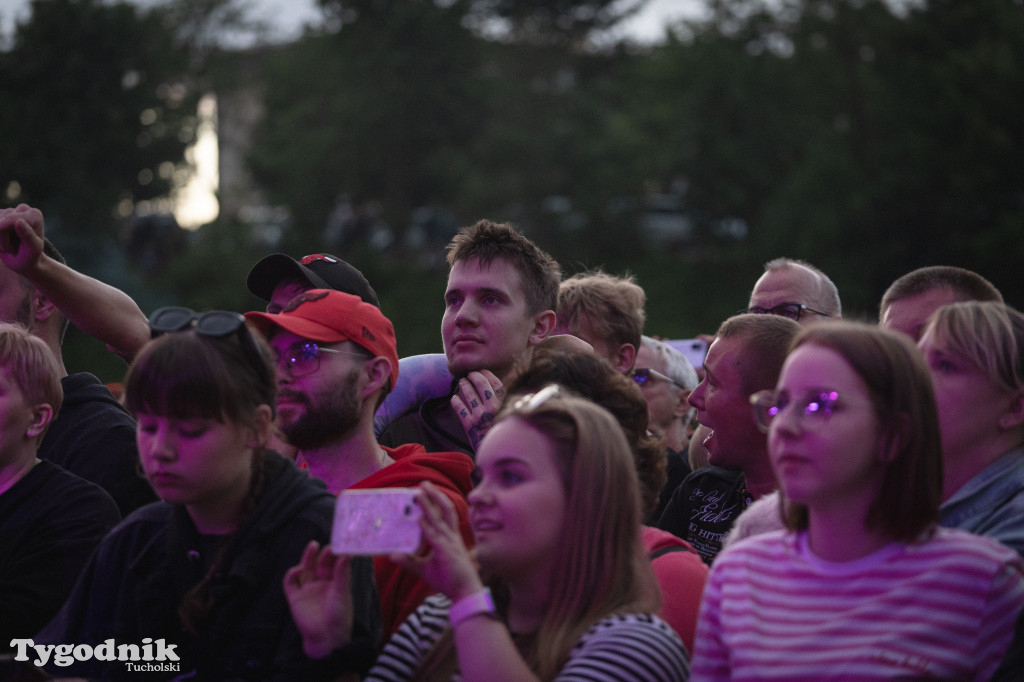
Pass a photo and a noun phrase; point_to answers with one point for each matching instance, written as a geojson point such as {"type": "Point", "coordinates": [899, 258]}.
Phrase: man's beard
{"type": "Point", "coordinates": [333, 416]}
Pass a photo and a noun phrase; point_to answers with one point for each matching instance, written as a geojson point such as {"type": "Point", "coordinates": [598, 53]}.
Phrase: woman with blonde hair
{"type": "Point", "coordinates": [975, 352]}
{"type": "Point", "coordinates": [862, 584]}
{"type": "Point", "coordinates": [564, 589]}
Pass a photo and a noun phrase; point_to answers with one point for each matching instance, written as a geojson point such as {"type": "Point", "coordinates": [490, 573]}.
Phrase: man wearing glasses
{"type": "Point", "coordinates": [666, 378]}
{"type": "Point", "coordinates": [797, 290]}
{"type": "Point", "coordinates": [337, 359]}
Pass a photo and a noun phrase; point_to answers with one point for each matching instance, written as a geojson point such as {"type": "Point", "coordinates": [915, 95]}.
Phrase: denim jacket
{"type": "Point", "coordinates": [991, 503]}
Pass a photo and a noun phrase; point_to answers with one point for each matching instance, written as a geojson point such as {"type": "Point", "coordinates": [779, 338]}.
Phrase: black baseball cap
{"type": "Point", "coordinates": [320, 270]}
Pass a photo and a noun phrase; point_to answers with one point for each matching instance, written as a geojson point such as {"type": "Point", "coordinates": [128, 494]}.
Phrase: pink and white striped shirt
{"type": "Point", "coordinates": [943, 608]}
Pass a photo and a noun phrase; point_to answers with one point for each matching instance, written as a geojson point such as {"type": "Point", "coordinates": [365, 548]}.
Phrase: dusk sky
{"type": "Point", "coordinates": [288, 16]}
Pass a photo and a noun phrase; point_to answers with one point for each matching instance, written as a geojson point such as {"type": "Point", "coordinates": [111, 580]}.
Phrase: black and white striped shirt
{"type": "Point", "coordinates": [619, 648]}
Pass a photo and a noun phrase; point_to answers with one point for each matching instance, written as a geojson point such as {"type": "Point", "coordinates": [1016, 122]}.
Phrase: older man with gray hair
{"type": "Point", "coordinates": [795, 289]}
{"type": "Point", "coordinates": [666, 378]}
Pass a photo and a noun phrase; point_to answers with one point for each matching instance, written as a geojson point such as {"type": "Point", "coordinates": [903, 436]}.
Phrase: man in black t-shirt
{"type": "Point", "coordinates": [746, 357]}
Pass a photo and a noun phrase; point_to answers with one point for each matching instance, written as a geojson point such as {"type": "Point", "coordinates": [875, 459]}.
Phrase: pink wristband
{"type": "Point", "coordinates": [471, 605]}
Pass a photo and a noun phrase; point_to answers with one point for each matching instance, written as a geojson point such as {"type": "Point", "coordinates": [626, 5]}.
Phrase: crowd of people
{"type": "Point", "coordinates": [815, 499]}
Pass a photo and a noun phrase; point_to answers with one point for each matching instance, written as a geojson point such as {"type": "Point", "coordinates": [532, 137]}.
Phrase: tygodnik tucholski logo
{"type": "Point", "coordinates": [150, 656]}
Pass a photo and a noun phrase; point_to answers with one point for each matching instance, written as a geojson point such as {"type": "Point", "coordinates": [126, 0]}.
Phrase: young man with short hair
{"type": "Point", "coordinates": [912, 298]}
{"type": "Point", "coordinates": [605, 311]}
{"type": "Point", "coordinates": [499, 303]}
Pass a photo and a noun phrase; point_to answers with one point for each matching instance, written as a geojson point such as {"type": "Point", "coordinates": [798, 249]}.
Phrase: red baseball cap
{"type": "Point", "coordinates": [330, 316]}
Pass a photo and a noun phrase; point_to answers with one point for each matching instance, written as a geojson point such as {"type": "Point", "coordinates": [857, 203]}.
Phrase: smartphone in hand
{"type": "Point", "coordinates": [377, 521]}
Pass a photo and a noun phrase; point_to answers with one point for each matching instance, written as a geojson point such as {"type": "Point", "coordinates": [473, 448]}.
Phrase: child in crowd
{"type": "Point", "coordinates": [862, 585]}
{"type": "Point", "coordinates": [555, 516]}
{"type": "Point", "coordinates": [202, 570]}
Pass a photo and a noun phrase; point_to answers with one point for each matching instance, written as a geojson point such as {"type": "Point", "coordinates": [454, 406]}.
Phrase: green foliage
{"type": "Point", "coordinates": [385, 110]}
{"type": "Point", "coordinates": [560, 22]}
{"type": "Point", "coordinates": [865, 140]}
{"type": "Point", "coordinates": [93, 109]}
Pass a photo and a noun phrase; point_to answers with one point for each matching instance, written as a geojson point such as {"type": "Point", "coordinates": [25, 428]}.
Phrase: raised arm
{"type": "Point", "coordinates": [100, 310]}
{"type": "Point", "coordinates": [483, 644]}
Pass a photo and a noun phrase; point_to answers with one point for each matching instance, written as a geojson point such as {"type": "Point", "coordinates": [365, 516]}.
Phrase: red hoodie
{"type": "Point", "coordinates": [401, 591]}
{"type": "Point", "coordinates": [681, 574]}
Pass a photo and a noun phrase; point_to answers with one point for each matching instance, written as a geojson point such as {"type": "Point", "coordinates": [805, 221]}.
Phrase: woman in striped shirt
{"type": "Point", "coordinates": [862, 585]}
{"type": "Point", "coordinates": [555, 516]}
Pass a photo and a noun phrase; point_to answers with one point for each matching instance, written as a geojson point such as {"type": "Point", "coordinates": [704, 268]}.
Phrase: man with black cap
{"type": "Point", "coordinates": [279, 278]}
{"type": "Point", "coordinates": [108, 314]}
{"type": "Point", "coordinates": [337, 359]}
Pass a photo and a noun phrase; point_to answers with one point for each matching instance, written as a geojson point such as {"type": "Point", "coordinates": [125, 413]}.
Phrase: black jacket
{"type": "Point", "coordinates": [135, 582]}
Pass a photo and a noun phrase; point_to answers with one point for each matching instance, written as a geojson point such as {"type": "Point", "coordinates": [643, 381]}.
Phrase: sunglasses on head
{"type": "Point", "coordinates": [215, 324]}
{"type": "Point", "coordinates": [531, 401]}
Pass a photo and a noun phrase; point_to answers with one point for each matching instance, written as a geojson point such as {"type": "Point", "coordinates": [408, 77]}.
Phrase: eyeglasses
{"type": "Point", "coordinates": [531, 401]}
{"type": "Point", "coordinates": [791, 310]}
{"type": "Point", "coordinates": [304, 358]}
{"type": "Point", "coordinates": [216, 324]}
{"type": "Point", "coordinates": [814, 408]}
{"type": "Point", "coordinates": [643, 375]}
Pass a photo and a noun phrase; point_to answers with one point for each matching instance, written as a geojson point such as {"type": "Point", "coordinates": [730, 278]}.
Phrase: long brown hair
{"type": "Point", "coordinates": [600, 568]}
{"type": "Point", "coordinates": [590, 376]}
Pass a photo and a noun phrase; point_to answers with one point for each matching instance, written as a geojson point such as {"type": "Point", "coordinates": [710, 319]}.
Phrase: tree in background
{"type": "Point", "coordinates": [867, 137]}
{"type": "Point", "coordinates": [403, 107]}
{"type": "Point", "coordinates": [96, 112]}
{"type": "Point", "coordinates": [99, 105]}
{"type": "Point", "coordinates": [382, 112]}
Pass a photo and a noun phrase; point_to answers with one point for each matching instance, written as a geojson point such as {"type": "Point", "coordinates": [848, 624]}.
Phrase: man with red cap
{"type": "Point", "coordinates": [278, 278]}
{"type": "Point", "coordinates": [337, 359]}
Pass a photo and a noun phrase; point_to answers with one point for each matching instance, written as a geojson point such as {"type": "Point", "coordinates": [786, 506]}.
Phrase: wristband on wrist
{"type": "Point", "coordinates": [476, 604]}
